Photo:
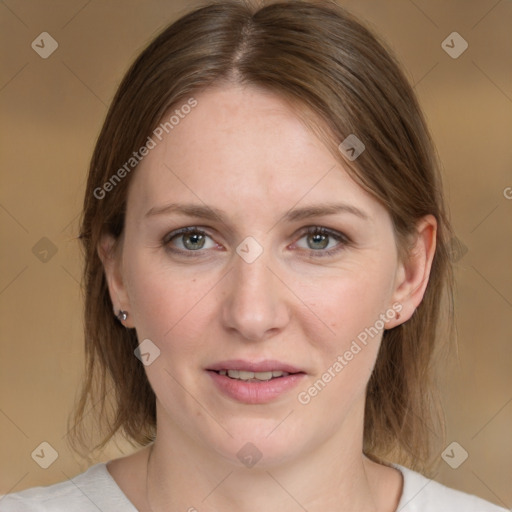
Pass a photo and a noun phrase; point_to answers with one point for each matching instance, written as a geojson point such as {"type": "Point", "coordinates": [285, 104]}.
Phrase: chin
{"type": "Point", "coordinates": [260, 444]}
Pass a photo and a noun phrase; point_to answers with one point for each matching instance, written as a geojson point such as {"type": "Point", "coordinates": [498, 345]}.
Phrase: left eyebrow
{"type": "Point", "coordinates": [321, 210]}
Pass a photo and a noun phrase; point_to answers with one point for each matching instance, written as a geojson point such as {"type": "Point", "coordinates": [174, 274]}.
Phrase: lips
{"type": "Point", "coordinates": [254, 383]}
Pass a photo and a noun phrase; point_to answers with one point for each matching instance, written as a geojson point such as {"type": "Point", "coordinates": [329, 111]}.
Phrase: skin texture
{"type": "Point", "coordinates": [244, 152]}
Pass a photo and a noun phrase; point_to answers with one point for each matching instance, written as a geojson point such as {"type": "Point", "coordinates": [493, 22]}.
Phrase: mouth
{"type": "Point", "coordinates": [253, 376]}
{"type": "Point", "coordinates": [254, 383]}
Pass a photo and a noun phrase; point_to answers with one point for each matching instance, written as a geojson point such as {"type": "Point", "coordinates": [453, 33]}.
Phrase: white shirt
{"type": "Point", "coordinates": [95, 490]}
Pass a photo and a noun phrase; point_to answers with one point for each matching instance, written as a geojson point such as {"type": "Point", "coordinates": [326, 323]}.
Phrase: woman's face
{"type": "Point", "coordinates": [248, 248]}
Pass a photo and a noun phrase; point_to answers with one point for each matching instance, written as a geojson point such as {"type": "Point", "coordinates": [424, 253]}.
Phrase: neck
{"type": "Point", "coordinates": [335, 476]}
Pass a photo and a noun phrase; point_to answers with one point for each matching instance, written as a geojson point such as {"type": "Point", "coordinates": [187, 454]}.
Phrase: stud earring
{"type": "Point", "coordinates": [397, 316]}
{"type": "Point", "coordinates": [122, 315]}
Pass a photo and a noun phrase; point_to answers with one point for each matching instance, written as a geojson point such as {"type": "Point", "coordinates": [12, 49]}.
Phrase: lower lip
{"type": "Point", "coordinates": [255, 392]}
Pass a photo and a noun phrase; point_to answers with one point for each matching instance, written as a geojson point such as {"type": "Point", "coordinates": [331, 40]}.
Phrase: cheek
{"type": "Point", "coordinates": [173, 311]}
{"type": "Point", "coordinates": [349, 307]}
{"type": "Point", "coordinates": [347, 304]}
{"type": "Point", "coordinates": [168, 304]}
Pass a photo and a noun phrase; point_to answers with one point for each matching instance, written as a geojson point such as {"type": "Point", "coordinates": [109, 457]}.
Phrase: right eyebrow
{"type": "Point", "coordinates": [191, 210]}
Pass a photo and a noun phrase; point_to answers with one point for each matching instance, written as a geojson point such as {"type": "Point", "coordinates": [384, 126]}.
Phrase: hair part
{"type": "Point", "coordinates": [342, 80]}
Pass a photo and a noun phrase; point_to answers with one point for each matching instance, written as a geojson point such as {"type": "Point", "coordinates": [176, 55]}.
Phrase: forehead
{"type": "Point", "coordinates": [239, 141]}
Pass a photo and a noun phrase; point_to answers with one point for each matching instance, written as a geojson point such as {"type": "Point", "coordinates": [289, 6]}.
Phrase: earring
{"type": "Point", "coordinates": [397, 316]}
{"type": "Point", "coordinates": [122, 315]}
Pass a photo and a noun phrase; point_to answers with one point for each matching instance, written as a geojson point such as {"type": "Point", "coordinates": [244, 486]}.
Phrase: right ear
{"type": "Point", "coordinates": [110, 256]}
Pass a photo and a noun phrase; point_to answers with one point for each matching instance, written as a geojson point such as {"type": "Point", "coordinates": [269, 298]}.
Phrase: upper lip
{"type": "Point", "coordinates": [252, 366]}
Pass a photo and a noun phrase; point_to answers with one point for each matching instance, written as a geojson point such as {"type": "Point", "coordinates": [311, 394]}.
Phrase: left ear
{"type": "Point", "coordinates": [413, 273]}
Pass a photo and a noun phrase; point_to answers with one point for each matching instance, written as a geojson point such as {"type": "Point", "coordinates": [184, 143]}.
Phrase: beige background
{"type": "Point", "coordinates": [52, 110]}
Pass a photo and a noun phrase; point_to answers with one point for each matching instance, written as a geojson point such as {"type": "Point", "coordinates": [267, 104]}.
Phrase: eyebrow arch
{"type": "Point", "coordinates": [209, 213]}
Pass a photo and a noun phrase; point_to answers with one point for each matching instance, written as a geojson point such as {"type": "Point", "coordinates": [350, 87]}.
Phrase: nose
{"type": "Point", "coordinates": [255, 304]}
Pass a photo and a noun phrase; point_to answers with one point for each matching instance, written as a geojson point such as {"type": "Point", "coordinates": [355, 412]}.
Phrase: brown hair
{"type": "Point", "coordinates": [344, 81]}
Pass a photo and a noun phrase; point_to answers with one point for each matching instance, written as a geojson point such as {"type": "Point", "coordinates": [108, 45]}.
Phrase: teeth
{"type": "Point", "coordinates": [243, 375]}
{"type": "Point", "coordinates": [263, 375]}
{"type": "Point", "coordinates": [253, 376]}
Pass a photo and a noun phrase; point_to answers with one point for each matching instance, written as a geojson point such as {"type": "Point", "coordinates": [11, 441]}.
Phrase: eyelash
{"type": "Point", "coordinates": [342, 239]}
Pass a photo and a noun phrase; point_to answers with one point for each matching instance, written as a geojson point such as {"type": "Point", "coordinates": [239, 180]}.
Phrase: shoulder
{"type": "Point", "coordinates": [421, 494]}
{"type": "Point", "coordinates": [92, 490]}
